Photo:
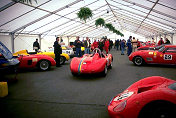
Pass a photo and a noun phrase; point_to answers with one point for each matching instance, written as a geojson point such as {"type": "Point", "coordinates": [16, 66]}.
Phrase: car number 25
{"type": "Point", "coordinates": [167, 57]}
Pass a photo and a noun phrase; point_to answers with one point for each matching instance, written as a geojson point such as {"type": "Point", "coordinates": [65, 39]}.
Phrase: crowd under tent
{"type": "Point", "coordinates": [21, 23]}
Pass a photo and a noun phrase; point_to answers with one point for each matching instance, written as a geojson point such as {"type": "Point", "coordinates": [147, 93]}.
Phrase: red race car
{"type": "Point", "coordinates": [151, 97]}
{"type": "Point", "coordinates": [151, 47]}
{"type": "Point", "coordinates": [97, 62]}
{"type": "Point", "coordinates": [43, 62]}
{"type": "Point", "coordinates": [165, 55]}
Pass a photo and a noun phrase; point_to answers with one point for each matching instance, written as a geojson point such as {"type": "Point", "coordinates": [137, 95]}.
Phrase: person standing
{"type": "Point", "coordinates": [122, 47]}
{"type": "Point", "coordinates": [78, 45]}
{"type": "Point", "coordinates": [95, 44]}
{"type": "Point", "coordinates": [138, 43]}
{"type": "Point", "coordinates": [167, 41]}
{"type": "Point", "coordinates": [117, 44]}
{"type": "Point", "coordinates": [101, 44]}
{"type": "Point", "coordinates": [36, 46]}
{"type": "Point", "coordinates": [57, 51]}
{"type": "Point", "coordinates": [106, 45]}
{"type": "Point", "coordinates": [87, 46]}
{"type": "Point", "coordinates": [134, 44]}
{"type": "Point", "coordinates": [129, 46]}
{"type": "Point", "coordinates": [160, 42]}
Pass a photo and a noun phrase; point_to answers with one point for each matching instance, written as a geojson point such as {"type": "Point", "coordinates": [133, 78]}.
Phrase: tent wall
{"type": "Point", "coordinates": [6, 40]}
{"type": "Point", "coordinates": [24, 42]}
{"type": "Point", "coordinates": [21, 42]}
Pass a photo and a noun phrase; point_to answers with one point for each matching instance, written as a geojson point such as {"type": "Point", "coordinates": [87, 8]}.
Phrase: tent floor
{"type": "Point", "coordinates": [58, 94]}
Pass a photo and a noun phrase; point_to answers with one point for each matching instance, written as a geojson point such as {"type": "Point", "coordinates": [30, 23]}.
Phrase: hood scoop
{"type": "Point", "coordinates": [144, 89]}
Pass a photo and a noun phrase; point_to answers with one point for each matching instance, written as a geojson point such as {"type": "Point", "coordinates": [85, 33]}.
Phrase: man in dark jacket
{"type": "Point", "coordinates": [78, 45]}
{"type": "Point", "coordinates": [57, 51]}
{"type": "Point", "coordinates": [167, 41]}
{"type": "Point", "coordinates": [36, 45]}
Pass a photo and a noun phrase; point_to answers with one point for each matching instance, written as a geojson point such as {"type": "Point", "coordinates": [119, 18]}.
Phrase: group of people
{"type": "Point", "coordinates": [132, 44]}
{"type": "Point", "coordinates": [102, 44]}
{"type": "Point", "coordinates": [161, 41]}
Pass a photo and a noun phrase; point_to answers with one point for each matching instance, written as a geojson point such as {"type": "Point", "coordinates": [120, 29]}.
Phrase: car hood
{"type": "Point", "coordinates": [5, 51]}
{"type": "Point", "coordinates": [140, 86]}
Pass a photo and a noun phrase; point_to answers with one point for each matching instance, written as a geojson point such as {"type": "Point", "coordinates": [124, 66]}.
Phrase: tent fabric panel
{"type": "Point", "coordinates": [13, 12]}
{"type": "Point", "coordinates": [41, 23]}
{"type": "Point", "coordinates": [17, 23]}
{"type": "Point", "coordinates": [4, 2]}
{"type": "Point", "coordinates": [56, 4]}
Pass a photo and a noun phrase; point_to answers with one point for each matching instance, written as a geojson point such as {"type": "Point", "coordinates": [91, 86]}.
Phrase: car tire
{"type": "Point", "coordinates": [74, 74]}
{"type": "Point", "coordinates": [158, 110]}
{"type": "Point", "coordinates": [138, 61]}
{"type": "Point", "coordinates": [62, 60]}
{"type": "Point", "coordinates": [44, 65]}
{"type": "Point", "coordinates": [104, 73]}
{"type": "Point", "coordinates": [110, 66]}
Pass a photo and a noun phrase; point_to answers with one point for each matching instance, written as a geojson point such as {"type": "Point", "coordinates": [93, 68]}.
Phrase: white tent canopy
{"type": "Point", "coordinates": [148, 18]}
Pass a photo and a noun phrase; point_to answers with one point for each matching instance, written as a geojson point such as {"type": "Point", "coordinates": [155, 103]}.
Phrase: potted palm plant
{"type": "Point", "coordinates": [100, 22]}
{"type": "Point", "coordinates": [84, 13]}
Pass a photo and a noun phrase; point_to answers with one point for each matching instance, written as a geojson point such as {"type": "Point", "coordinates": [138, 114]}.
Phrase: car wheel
{"type": "Point", "coordinates": [62, 60]}
{"type": "Point", "coordinates": [159, 110]}
{"type": "Point", "coordinates": [138, 61]}
{"type": "Point", "coordinates": [74, 74]}
{"type": "Point", "coordinates": [105, 71]}
{"type": "Point", "coordinates": [44, 65]}
{"type": "Point", "coordinates": [110, 66]}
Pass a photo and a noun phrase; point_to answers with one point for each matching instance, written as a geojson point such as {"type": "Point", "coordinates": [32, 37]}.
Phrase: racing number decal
{"type": "Point", "coordinates": [167, 57]}
{"type": "Point", "coordinates": [68, 52]}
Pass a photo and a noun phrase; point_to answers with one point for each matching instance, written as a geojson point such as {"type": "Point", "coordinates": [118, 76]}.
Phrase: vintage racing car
{"type": "Point", "coordinates": [151, 97]}
{"type": "Point", "coordinates": [97, 62]}
{"type": "Point", "coordinates": [65, 49]}
{"type": "Point", "coordinates": [151, 47]}
{"type": "Point", "coordinates": [7, 61]}
{"type": "Point", "coordinates": [165, 55]}
{"type": "Point", "coordinates": [42, 62]}
{"type": "Point", "coordinates": [64, 57]}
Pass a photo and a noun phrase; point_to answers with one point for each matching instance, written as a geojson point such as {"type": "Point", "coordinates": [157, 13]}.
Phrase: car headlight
{"type": "Point", "coordinates": [120, 107]}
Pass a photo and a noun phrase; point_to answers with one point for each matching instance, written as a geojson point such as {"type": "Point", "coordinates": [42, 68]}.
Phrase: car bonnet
{"type": "Point", "coordinates": [5, 51]}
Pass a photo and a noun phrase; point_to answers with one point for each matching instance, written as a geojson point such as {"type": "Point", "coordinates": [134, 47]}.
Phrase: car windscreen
{"type": "Point", "coordinates": [172, 86]}
{"type": "Point", "coordinates": [161, 49]}
{"type": "Point", "coordinates": [5, 51]}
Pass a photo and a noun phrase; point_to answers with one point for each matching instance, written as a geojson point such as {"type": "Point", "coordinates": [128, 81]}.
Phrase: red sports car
{"type": "Point", "coordinates": [165, 55]}
{"type": "Point", "coordinates": [151, 47]}
{"type": "Point", "coordinates": [145, 47]}
{"type": "Point", "coordinates": [97, 62]}
{"type": "Point", "coordinates": [151, 97]}
{"type": "Point", "coordinates": [43, 62]}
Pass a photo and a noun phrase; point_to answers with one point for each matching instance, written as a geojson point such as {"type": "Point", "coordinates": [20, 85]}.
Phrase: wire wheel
{"type": "Point", "coordinates": [138, 61]}
{"type": "Point", "coordinates": [105, 71]}
{"type": "Point", "coordinates": [62, 60]}
{"type": "Point", "coordinates": [44, 65]}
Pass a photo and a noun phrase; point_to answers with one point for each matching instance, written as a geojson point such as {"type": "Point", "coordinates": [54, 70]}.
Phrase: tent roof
{"type": "Point", "coordinates": [58, 17]}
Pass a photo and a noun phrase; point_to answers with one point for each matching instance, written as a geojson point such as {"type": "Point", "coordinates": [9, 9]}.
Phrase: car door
{"type": "Point", "coordinates": [169, 55]}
